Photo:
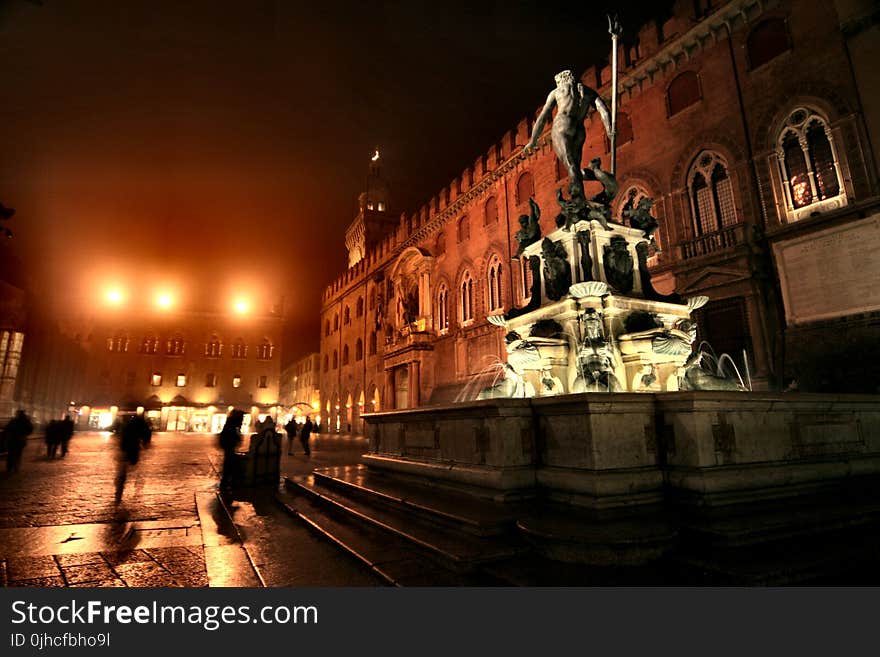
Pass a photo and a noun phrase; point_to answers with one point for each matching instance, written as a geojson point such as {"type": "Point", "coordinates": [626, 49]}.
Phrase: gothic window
{"type": "Point", "coordinates": [807, 161]}
{"type": "Point", "coordinates": [359, 308]}
{"type": "Point", "coordinates": [239, 349]}
{"type": "Point", "coordinates": [213, 348]}
{"type": "Point", "coordinates": [265, 350]}
{"type": "Point", "coordinates": [175, 346]}
{"type": "Point", "coordinates": [372, 344]}
{"type": "Point", "coordinates": [359, 350]}
{"type": "Point", "coordinates": [494, 283]}
{"type": "Point", "coordinates": [442, 309]}
{"type": "Point", "coordinates": [525, 188]}
{"type": "Point", "coordinates": [767, 40]}
{"type": "Point", "coordinates": [490, 214]}
{"type": "Point", "coordinates": [464, 229]}
{"type": "Point", "coordinates": [467, 297]}
{"type": "Point", "coordinates": [683, 92]}
{"type": "Point", "coordinates": [150, 344]}
{"type": "Point", "coordinates": [711, 194]}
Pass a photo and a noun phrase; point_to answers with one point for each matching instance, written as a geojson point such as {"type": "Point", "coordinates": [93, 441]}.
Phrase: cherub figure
{"type": "Point", "coordinates": [640, 218]}
{"type": "Point", "coordinates": [530, 231]}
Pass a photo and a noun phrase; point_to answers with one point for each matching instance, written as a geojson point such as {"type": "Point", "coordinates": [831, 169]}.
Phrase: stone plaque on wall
{"type": "Point", "coordinates": [831, 273]}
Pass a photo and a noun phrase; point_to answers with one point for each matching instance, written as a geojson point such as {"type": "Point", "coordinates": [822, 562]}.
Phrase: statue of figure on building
{"type": "Point", "coordinates": [530, 229]}
{"type": "Point", "coordinates": [573, 102]}
{"type": "Point", "coordinates": [618, 265]}
{"type": "Point", "coordinates": [411, 306]}
{"type": "Point", "coordinates": [557, 270]}
{"type": "Point", "coordinates": [640, 218]}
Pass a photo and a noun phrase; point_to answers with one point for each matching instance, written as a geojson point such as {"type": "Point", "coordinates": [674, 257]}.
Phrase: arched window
{"type": "Point", "coordinates": [632, 197]}
{"type": "Point", "coordinates": [175, 346]}
{"type": "Point", "coordinates": [464, 229]}
{"type": "Point", "coordinates": [808, 164]}
{"type": "Point", "coordinates": [335, 322]}
{"type": "Point", "coordinates": [372, 344]}
{"type": "Point", "coordinates": [335, 359]}
{"type": "Point", "coordinates": [213, 348]}
{"type": "Point", "coordinates": [494, 283]}
{"type": "Point", "coordinates": [359, 349]}
{"type": "Point", "coordinates": [525, 188]}
{"type": "Point", "coordinates": [345, 355]}
{"type": "Point", "coordinates": [326, 363]}
{"type": "Point", "coordinates": [490, 211]}
{"type": "Point", "coordinates": [683, 92]}
{"type": "Point", "coordinates": [440, 246]}
{"type": "Point", "coordinates": [467, 297]}
{"type": "Point", "coordinates": [150, 344]}
{"type": "Point", "coordinates": [711, 194]}
{"type": "Point", "coordinates": [442, 308]}
{"type": "Point", "coordinates": [768, 40]}
{"type": "Point", "coordinates": [327, 327]}
{"type": "Point", "coordinates": [346, 315]}
{"type": "Point", "coordinates": [265, 350]}
{"type": "Point", "coordinates": [359, 308]}
{"type": "Point", "coordinates": [239, 348]}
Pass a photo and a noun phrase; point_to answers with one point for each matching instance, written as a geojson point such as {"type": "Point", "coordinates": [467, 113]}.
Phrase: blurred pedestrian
{"type": "Point", "coordinates": [305, 434]}
{"type": "Point", "coordinates": [16, 431]}
{"type": "Point", "coordinates": [66, 433]}
{"type": "Point", "coordinates": [134, 432]}
{"type": "Point", "coordinates": [53, 438]}
{"type": "Point", "coordinates": [230, 438]}
{"type": "Point", "coordinates": [291, 428]}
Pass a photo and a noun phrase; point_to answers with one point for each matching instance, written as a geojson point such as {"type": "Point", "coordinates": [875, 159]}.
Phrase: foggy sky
{"type": "Point", "coordinates": [221, 145]}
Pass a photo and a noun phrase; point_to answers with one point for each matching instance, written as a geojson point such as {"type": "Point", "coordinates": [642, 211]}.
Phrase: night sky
{"type": "Point", "coordinates": [220, 146]}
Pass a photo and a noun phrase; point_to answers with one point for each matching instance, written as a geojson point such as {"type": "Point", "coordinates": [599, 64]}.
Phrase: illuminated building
{"type": "Point", "coordinates": [751, 126]}
{"type": "Point", "coordinates": [185, 368]}
{"type": "Point", "coordinates": [299, 393]}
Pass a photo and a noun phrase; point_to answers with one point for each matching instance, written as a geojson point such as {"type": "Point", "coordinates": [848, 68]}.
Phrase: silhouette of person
{"type": "Point", "coordinates": [291, 429]}
{"type": "Point", "coordinates": [230, 438]}
{"type": "Point", "coordinates": [134, 432]}
{"type": "Point", "coordinates": [53, 438]}
{"type": "Point", "coordinates": [305, 434]}
{"type": "Point", "coordinates": [16, 431]}
{"type": "Point", "coordinates": [66, 433]}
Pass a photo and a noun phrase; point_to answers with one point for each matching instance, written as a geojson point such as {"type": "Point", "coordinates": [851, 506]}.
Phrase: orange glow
{"type": "Point", "coordinates": [240, 306]}
{"type": "Point", "coordinates": [164, 300]}
{"type": "Point", "coordinates": [114, 296]}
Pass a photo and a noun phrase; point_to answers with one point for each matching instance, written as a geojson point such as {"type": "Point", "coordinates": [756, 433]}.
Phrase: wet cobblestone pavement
{"type": "Point", "coordinates": [60, 525]}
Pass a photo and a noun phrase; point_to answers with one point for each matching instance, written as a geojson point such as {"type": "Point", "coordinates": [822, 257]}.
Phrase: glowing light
{"type": "Point", "coordinates": [375, 155]}
{"type": "Point", "coordinates": [240, 306]}
{"type": "Point", "coordinates": [164, 300]}
{"type": "Point", "coordinates": [114, 296]}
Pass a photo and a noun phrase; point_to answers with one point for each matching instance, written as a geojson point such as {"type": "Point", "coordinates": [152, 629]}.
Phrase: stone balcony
{"type": "Point", "coordinates": [720, 240]}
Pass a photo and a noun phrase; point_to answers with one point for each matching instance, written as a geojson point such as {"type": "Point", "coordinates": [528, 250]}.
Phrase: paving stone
{"type": "Point", "coordinates": [128, 556]}
{"type": "Point", "coordinates": [79, 559]}
{"type": "Point", "coordinates": [93, 572]}
{"type": "Point", "coordinates": [31, 567]}
{"type": "Point", "coordinates": [46, 582]}
{"type": "Point", "coordinates": [103, 584]}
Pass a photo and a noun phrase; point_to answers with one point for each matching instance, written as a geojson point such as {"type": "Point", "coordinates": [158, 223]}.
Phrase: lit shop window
{"type": "Point", "coordinates": [236, 381]}
{"type": "Point", "coordinates": [156, 379]}
{"type": "Point", "coordinates": [263, 381]}
{"type": "Point", "coordinates": [210, 380]}
{"type": "Point", "coordinates": [181, 380]}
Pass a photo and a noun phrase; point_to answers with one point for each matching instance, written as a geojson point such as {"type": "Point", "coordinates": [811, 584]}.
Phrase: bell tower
{"type": "Point", "coordinates": [373, 220]}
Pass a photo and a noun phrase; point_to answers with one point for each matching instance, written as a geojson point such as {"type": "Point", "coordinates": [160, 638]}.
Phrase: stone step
{"type": "Point", "coordinates": [448, 508]}
{"type": "Point", "coordinates": [395, 561]}
{"type": "Point", "coordinates": [459, 551]}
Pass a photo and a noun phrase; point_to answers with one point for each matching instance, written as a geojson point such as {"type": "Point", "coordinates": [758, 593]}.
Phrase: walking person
{"type": "Point", "coordinates": [135, 432]}
{"type": "Point", "coordinates": [53, 438]}
{"type": "Point", "coordinates": [291, 428]}
{"type": "Point", "coordinates": [66, 433]}
{"type": "Point", "coordinates": [16, 431]}
{"type": "Point", "coordinates": [230, 438]}
{"type": "Point", "coordinates": [305, 434]}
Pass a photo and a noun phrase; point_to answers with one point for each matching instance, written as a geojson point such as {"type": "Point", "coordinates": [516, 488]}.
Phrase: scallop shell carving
{"type": "Point", "coordinates": [588, 289]}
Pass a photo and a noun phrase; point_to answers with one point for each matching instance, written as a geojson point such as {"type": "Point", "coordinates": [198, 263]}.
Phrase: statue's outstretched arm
{"type": "Point", "coordinates": [542, 120]}
{"type": "Point", "coordinates": [536, 211]}
{"type": "Point", "coordinates": [604, 114]}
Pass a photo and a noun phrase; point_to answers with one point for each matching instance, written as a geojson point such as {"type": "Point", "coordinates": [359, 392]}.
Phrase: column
{"type": "Point", "coordinates": [414, 385]}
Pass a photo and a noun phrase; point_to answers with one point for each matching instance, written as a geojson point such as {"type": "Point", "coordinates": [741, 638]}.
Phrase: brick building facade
{"type": "Point", "coordinates": [745, 121]}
